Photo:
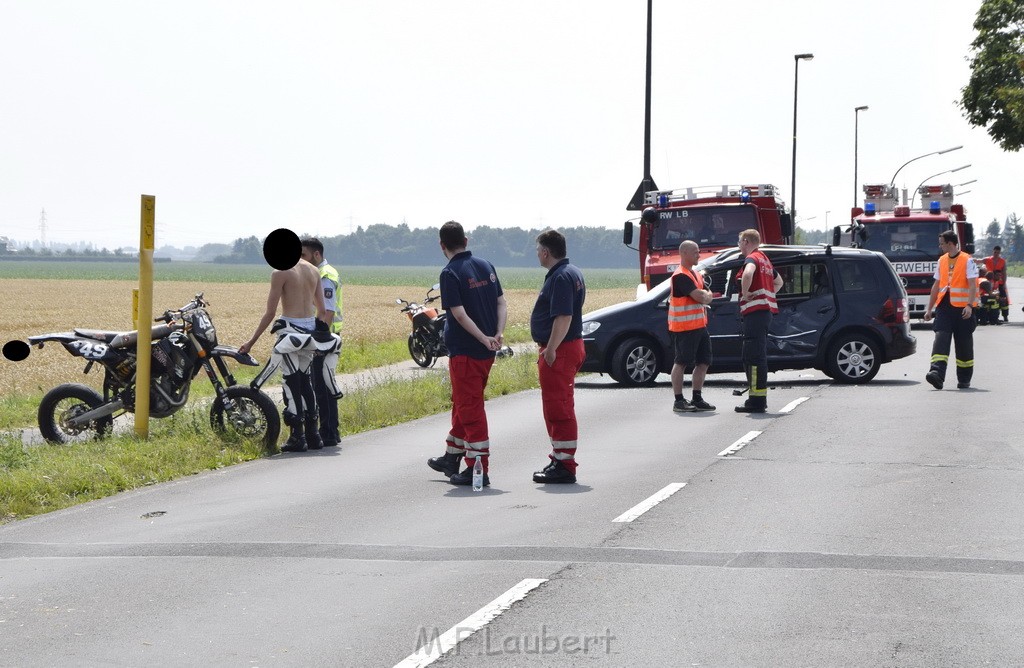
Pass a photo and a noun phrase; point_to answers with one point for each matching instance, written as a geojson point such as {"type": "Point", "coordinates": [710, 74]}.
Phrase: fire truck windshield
{"type": "Point", "coordinates": [709, 226]}
{"type": "Point", "coordinates": [905, 240]}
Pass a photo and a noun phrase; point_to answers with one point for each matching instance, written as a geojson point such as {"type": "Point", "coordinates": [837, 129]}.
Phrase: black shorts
{"type": "Point", "coordinates": [692, 347]}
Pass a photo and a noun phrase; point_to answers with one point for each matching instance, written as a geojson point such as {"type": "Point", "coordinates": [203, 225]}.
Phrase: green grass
{"type": "Point", "coordinates": [206, 272]}
{"type": "Point", "coordinates": [19, 410]}
{"type": "Point", "coordinates": [43, 478]}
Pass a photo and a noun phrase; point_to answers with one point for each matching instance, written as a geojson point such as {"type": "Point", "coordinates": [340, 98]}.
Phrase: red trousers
{"type": "Point", "coordinates": [468, 435]}
{"type": "Point", "coordinates": [557, 384]}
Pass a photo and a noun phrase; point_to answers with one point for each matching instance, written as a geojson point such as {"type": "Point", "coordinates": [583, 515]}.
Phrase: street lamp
{"type": "Point", "coordinates": [826, 220]}
{"type": "Point", "coordinates": [892, 181]}
{"type": "Point", "coordinates": [796, 77]}
{"type": "Point", "coordinates": [856, 118]}
{"type": "Point", "coordinates": [948, 171]}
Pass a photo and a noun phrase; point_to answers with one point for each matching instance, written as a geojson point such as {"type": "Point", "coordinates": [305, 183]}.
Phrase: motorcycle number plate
{"type": "Point", "coordinates": [90, 350]}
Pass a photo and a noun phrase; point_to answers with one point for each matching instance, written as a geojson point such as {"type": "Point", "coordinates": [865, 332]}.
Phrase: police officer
{"type": "Point", "coordinates": [324, 383]}
{"type": "Point", "coordinates": [951, 298]}
{"type": "Point", "coordinates": [758, 284]}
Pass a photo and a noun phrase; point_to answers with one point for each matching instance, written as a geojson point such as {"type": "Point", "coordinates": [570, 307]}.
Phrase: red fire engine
{"type": "Point", "coordinates": [909, 238]}
{"type": "Point", "coordinates": [712, 216]}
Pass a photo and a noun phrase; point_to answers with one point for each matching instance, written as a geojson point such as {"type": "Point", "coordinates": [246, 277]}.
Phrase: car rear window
{"type": "Point", "coordinates": [855, 276]}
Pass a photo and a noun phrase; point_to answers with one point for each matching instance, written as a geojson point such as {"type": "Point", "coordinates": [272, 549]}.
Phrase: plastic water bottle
{"type": "Point", "coordinates": [478, 475]}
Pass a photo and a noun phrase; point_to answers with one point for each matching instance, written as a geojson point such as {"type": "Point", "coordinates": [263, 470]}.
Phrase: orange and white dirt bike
{"type": "Point", "coordinates": [426, 342]}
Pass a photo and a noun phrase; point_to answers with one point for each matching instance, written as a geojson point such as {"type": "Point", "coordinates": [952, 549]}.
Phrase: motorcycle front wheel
{"type": "Point", "coordinates": [253, 418]}
{"type": "Point", "coordinates": [65, 402]}
{"type": "Point", "coordinates": [419, 352]}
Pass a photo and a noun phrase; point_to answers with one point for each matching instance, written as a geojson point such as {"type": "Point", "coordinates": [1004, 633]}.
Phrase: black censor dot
{"type": "Point", "coordinates": [282, 249]}
{"type": "Point", "coordinates": [16, 351]}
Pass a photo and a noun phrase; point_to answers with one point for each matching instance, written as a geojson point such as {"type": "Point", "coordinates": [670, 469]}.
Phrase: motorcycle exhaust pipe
{"type": "Point", "coordinates": [96, 413]}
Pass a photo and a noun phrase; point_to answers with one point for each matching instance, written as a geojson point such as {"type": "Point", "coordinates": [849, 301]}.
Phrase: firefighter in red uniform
{"type": "Point", "coordinates": [758, 284]}
{"type": "Point", "coordinates": [951, 298]}
{"type": "Point", "coordinates": [997, 265]}
{"type": "Point", "coordinates": [472, 296]}
{"type": "Point", "coordinates": [556, 325]}
{"type": "Point", "coordinates": [688, 323]}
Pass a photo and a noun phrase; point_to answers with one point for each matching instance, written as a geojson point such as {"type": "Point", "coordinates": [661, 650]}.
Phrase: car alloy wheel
{"type": "Point", "coordinates": [635, 362]}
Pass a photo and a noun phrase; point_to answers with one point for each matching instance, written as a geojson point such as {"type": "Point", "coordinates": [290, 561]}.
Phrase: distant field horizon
{"type": "Point", "coordinates": [200, 272]}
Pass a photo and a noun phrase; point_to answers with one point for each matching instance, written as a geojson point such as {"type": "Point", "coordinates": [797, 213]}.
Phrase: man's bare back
{"type": "Point", "coordinates": [298, 290]}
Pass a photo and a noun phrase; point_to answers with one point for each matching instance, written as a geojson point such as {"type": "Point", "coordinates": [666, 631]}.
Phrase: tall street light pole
{"type": "Point", "coordinates": [647, 182]}
{"type": "Point", "coordinates": [856, 119]}
{"type": "Point", "coordinates": [796, 78]}
{"type": "Point", "coordinates": [892, 181]}
{"type": "Point", "coordinates": [948, 171]}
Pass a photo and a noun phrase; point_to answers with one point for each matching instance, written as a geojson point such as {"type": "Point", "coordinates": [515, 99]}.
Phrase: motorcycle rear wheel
{"type": "Point", "coordinates": [65, 402]}
{"type": "Point", "coordinates": [253, 418]}
{"type": "Point", "coordinates": [419, 352]}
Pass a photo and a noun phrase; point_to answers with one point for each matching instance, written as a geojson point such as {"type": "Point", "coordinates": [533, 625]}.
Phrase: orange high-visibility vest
{"type": "Point", "coordinates": [998, 267]}
{"type": "Point", "coordinates": [686, 313]}
{"type": "Point", "coordinates": [953, 279]}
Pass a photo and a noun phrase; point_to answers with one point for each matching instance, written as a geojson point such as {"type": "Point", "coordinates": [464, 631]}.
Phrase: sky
{"type": "Point", "coordinates": [325, 115]}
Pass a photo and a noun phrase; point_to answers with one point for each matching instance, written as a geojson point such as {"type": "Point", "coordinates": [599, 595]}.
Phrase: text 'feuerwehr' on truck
{"type": "Point", "coordinates": [908, 237]}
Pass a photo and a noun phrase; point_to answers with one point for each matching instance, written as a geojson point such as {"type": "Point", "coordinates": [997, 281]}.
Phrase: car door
{"type": "Point", "coordinates": [724, 324]}
{"type": "Point", "coordinates": [807, 305]}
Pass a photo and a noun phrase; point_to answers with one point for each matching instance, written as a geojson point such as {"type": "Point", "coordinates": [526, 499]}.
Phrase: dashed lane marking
{"type": "Point", "coordinates": [743, 441]}
{"type": "Point", "coordinates": [642, 507]}
{"type": "Point", "coordinates": [437, 646]}
{"type": "Point", "coordinates": [793, 404]}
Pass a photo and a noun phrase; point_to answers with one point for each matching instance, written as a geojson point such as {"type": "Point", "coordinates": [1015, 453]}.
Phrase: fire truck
{"type": "Point", "coordinates": [909, 238]}
{"type": "Point", "coordinates": [712, 216]}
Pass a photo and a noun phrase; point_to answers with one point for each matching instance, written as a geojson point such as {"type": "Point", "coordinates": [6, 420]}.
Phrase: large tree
{"type": "Point", "coordinates": [994, 96]}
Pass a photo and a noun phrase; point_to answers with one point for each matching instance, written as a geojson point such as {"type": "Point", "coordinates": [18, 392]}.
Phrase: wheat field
{"type": "Point", "coordinates": [37, 306]}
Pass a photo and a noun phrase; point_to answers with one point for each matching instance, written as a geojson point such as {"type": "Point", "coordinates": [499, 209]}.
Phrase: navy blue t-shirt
{"type": "Point", "coordinates": [563, 293]}
{"type": "Point", "coordinates": [472, 283]}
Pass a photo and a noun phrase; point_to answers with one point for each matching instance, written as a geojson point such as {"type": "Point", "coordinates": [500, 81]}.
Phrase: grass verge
{"type": "Point", "coordinates": [18, 410]}
{"type": "Point", "coordinates": [35, 480]}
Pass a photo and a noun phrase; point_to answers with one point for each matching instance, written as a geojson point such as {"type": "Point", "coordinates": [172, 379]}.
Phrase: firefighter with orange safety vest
{"type": "Point", "coordinates": [997, 265]}
{"type": "Point", "coordinates": [986, 305]}
{"type": "Point", "coordinates": [951, 299]}
{"type": "Point", "coordinates": [688, 323]}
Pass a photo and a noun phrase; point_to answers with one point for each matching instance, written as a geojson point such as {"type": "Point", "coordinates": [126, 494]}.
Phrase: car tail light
{"type": "Point", "coordinates": [895, 312]}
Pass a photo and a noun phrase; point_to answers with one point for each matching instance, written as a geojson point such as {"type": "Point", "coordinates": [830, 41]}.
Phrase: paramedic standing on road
{"type": "Point", "coordinates": [472, 296]}
{"type": "Point", "coordinates": [556, 325]}
{"type": "Point", "coordinates": [951, 298]}
{"type": "Point", "coordinates": [758, 285]}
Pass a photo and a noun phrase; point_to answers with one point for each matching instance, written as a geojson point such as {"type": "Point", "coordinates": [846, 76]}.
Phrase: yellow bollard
{"type": "Point", "coordinates": [147, 238]}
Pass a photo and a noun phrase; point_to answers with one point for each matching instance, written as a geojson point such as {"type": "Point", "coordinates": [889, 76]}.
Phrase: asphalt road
{"type": "Point", "coordinates": [876, 525]}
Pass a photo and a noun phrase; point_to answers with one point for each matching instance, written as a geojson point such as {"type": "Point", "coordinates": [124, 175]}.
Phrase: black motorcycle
{"type": "Point", "coordinates": [184, 344]}
{"type": "Point", "coordinates": [426, 342]}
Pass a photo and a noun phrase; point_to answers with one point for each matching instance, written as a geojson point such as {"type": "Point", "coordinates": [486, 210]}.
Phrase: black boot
{"type": "Point", "coordinates": [447, 464]}
{"type": "Point", "coordinates": [313, 439]}
{"type": "Point", "coordinates": [297, 441]}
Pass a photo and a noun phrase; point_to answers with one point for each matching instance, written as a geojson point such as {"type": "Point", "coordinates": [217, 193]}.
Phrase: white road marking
{"type": "Point", "coordinates": [793, 404]}
{"type": "Point", "coordinates": [642, 507]}
{"type": "Point", "coordinates": [436, 646]}
{"type": "Point", "coordinates": [735, 447]}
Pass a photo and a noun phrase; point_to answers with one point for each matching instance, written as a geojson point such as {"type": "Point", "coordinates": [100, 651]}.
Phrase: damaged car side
{"type": "Point", "coordinates": [841, 310]}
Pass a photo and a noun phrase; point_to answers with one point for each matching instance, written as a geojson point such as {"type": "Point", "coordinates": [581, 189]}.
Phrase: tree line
{"type": "Point", "coordinates": [382, 245]}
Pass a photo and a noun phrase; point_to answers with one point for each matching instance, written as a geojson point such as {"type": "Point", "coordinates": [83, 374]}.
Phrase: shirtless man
{"type": "Point", "coordinates": [298, 292]}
